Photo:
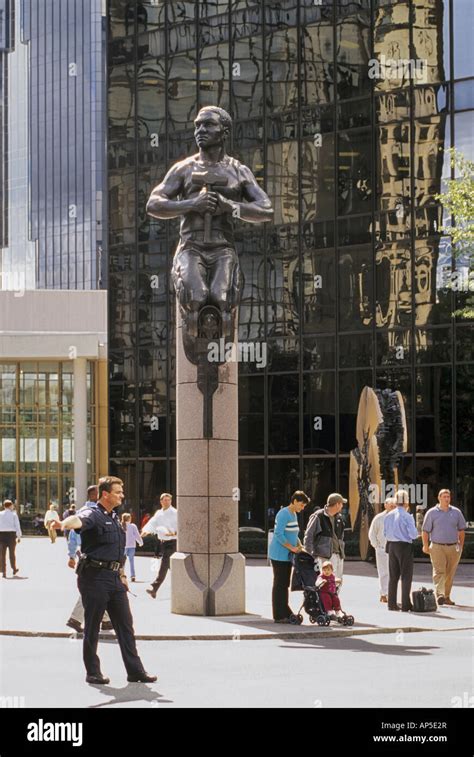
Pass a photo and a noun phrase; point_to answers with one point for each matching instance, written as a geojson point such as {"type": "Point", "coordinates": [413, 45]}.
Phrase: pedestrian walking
{"type": "Point", "coordinates": [132, 539]}
{"type": "Point", "coordinates": [379, 543]}
{"type": "Point", "coordinates": [285, 542]}
{"type": "Point", "coordinates": [324, 535]}
{"type": "Point", "coordinates": [102, 582]}
{"type": "Point", "coordinates": [164, 524]}
{"type": "Point", "coordinates": [51, 517]}
{"type": "Point", "coordinates": [443, 533]}
{"type": "Point", "coordinates": [10, 535]}
{"type": "Point", "coordinates": [70, 511]}
{"type": "Point", "coordinates": [400, 531]}
{"type": "Point", "coordinates": [76, 618]}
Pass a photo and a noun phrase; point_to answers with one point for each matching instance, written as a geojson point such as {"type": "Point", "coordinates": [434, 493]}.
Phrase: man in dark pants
{"type": "Point", "coordinates": [165, 525]}
{"type": "Point", "coordinates": [10, 532]}
{"type": "Point", "coordinates": [400, 530]}
{"type": "Point", "coordinates": [102, 582]}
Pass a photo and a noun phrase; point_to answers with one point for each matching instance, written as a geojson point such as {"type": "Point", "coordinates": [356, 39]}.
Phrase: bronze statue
{"type": "Point", "coordinates": [209, 190]}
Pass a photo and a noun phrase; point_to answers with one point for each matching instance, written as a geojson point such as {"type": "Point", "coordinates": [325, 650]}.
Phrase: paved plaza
{"type": "Point", "coordinates": [386, 659]}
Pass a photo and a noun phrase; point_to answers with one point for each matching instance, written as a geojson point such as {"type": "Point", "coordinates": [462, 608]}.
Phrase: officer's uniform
{"type": "Point", "coordinates": [103, 548]}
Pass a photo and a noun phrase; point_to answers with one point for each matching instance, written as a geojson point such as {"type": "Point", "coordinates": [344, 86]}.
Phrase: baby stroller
{"type": "Point", "coordinates": [305, 574]}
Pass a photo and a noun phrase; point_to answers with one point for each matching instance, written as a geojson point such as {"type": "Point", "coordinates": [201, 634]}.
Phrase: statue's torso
{"type": "Point", "coordinates": [192, 224]}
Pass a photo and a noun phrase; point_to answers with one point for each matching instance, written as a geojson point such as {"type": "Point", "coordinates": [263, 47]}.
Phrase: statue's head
{"type": "Point", "coordinates": [212, 126]}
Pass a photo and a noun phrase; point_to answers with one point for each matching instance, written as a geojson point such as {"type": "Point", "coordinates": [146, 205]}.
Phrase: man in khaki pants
{"type": "Point", "coordinates": [444, 526]}
{"type": "Point", "coordinates": [50, 517]}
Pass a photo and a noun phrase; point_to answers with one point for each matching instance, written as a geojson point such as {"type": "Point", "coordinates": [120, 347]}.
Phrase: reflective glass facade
{"type": "Point", "coordinates": [350, 285]}
{"type": "Point", "coordinates": [52, 143]}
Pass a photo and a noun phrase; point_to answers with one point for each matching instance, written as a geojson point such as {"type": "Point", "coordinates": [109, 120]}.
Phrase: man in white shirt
{"type": "Point", "coordinates": [10, 532]}
{"type": "Point", "coordinates": [50, 518]}
{"type": "Point", "coordinates": [378, 541]}
{"type": "Point", "coordinates": [164, 523]}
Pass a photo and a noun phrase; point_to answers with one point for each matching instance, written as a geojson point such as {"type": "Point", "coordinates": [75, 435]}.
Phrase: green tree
{"type": "Point", "coordinates": [458, 201]}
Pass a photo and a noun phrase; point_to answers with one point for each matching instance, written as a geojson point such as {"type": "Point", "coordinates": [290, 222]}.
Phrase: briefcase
{"type": "Point", "coordinates": [424, 600]}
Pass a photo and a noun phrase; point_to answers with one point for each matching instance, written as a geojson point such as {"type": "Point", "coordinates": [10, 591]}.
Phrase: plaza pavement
{"type": "Point", "coordinates": [39, 600]}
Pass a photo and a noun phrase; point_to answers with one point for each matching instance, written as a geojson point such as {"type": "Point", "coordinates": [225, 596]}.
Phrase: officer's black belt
{"type": "Point", "coordinates": [109, 565]}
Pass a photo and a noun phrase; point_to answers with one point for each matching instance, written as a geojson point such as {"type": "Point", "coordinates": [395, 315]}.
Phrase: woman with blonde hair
{"type": "Point", "coordinates": [133, 538]}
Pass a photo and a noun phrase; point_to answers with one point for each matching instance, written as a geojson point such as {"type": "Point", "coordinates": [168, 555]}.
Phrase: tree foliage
{"type": "Point", "coordinates": [458, 201]}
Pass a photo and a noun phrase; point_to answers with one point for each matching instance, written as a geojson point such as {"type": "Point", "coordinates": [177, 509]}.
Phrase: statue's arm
{"type": "Point", "coordinates": [258, 206]}
{"type": "Point", "coordinates": [162, 202]}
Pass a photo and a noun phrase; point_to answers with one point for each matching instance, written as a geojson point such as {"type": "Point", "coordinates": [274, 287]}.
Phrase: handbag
{"type": "Point", "coordinates": [424, 600]}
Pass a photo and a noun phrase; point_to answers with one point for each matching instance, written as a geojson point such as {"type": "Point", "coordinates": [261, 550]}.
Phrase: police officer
{"type": "Point", "coordinates": [102, 583]}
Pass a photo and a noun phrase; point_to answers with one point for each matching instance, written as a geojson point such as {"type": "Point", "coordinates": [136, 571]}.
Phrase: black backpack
{"type": "Point", "coordinates": [424, 600]}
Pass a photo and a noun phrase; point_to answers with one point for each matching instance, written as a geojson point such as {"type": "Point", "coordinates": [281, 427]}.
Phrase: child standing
{"type": "Point", "coordinates": [133, 538]}
{"type": "Point", "coordinates": [327, 584]}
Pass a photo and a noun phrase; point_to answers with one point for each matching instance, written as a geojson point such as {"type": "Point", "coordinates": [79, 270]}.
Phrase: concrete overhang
{"type": "Point", "coordinates": [53, 325]}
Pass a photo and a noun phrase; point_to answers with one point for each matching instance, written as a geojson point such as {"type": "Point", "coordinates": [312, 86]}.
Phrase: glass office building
{"type": "Point", "coordinates": [52, 180]}
{"type": "Point", "coordinates": [344, 111]}
{"type": "Point", "coordinates": [52, 143]}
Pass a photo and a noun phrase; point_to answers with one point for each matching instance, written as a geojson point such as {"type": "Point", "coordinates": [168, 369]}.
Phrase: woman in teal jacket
{"type": "Point", "coordinates": [285, 541]}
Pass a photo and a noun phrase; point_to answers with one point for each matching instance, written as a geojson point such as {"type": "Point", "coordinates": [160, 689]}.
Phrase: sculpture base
{"type": "Point", "coordinates": [208, 585]}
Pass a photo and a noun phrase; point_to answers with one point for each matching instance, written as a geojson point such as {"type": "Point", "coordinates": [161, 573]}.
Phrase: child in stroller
{"type": "Point", "coordinates": [320, 593]}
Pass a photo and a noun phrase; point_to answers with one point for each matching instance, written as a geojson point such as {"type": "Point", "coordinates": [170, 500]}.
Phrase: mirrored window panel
{"type": "Point", "coordinates": [464, 404]}
{"type": "Point", "coordinates": [318, 477]}
{"type": "Point", "coordinates": [152, 484]}
{"type": "Point", "coordinates": [354, 174]}
{"type": "Point", "coordinates": [182, 96]}
{"type": "Point", "coordinates": [283, 414]}
{"type": "Point", "coordinates": [353, 49]}
{"type": "Point", "coordinates": [464, 95]}
{"type": "Point", "coordinates": [251, 415]}
{"type": "Point", "coordinates": [393, 168]}
{"type": "Point", "coordinates": [281, 66]}
{"type": "Point", "coordinates": [433, 474]}
{"type": "Point", "coordinates": [317, 68]}
{"type": "Point", "coordinates": [393, 281]}
{"type": "Point", "coordinates": [434, 345]}
{"type": "Point", "coordinates": [250, 247]}
{"type": "Point", "coordinates": [356, 299]}
{"type": "Point", "coordinates": [319, 421]}
{"type": "Point", "coordinates": [283, 288]}
{"type": "Point", "coordinates": [465, 487]}
{"type": "Point", "coordinates": [431, 41]}
{"type": "Point", "coordinates": [434, 281]}
{"type": "Point", "coordinates": [283, 354]}
{"type": "Point", "coordinates": [355, 351]}
{"type": "Point", "coordinates": [399, 380]}
{"type": "Point", "coordinates": [319, 291]}
{"type": "Point", "coordinates": [318, 352]}
{"type": "Point", "coordinates": [317, 177]}
{"type": "Point", "coordinates": [251, 513]}
{"type": "Point", "coordinates": [351, 384]}
{"type": "Point", "coordinates": [283, 480]}
{"type": "Point", "coordinates": [392, 66]}
{"type": "Point", "coordinates": [463, 23]}
{"type": "Point", "coordinates": [434, 409]}
{"type": "Point", "coordinates": [247, 75]}
{"type": "Point", "coordinates": [282, 180]}
{"type": "Point", "coordinates": [465, 343]}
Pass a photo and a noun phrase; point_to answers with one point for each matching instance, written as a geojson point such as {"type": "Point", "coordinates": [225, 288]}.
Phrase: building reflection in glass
{"type": "Point", "coordinates": [350, 287]}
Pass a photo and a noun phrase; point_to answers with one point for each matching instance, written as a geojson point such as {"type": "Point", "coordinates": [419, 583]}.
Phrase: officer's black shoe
{"type": "Point", "coordinates": [142, 678]}
{"type": "Point", "coordinates": [152, 593]}
{"type": "Point", "coordinates": [106, 625]}
{"type": "Point", "coordinates": [97, 679]}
